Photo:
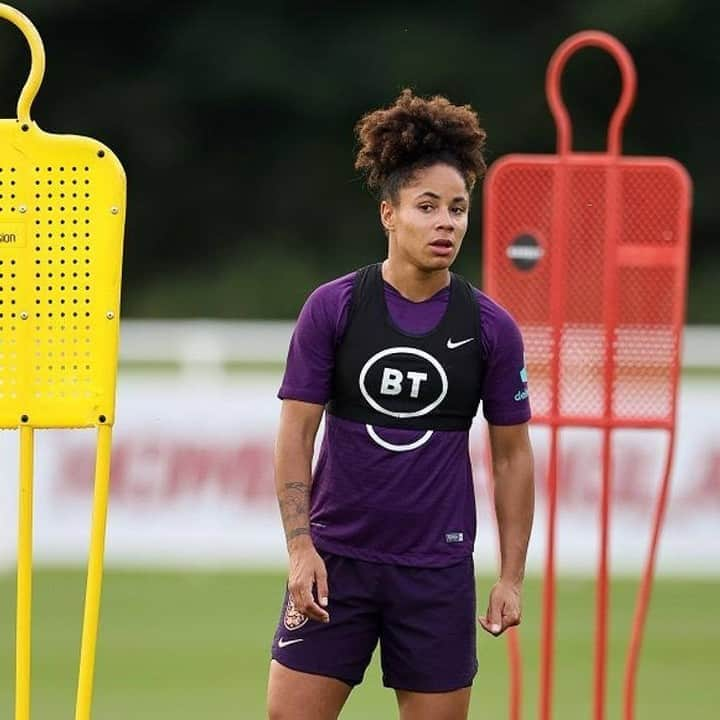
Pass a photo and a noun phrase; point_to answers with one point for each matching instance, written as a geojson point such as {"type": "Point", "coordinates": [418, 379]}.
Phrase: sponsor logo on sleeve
{"type": "Point", "coordinates": [523, 394]}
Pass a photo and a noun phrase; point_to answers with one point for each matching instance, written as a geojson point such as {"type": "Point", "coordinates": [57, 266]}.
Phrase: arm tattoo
{"type": "Point", "coordinates": [300, 486]}
{"type": "Point", "coordinates": [294, 501]}
{"type": "Point", "coordinates": [297, 531]}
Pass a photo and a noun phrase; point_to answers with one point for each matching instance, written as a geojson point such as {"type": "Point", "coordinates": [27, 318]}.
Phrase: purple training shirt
{"type": "Point", "coordinates": [415, 507]}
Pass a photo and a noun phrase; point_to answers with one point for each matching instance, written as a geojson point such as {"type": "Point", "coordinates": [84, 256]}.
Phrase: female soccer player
{"type": "Point", "coordinates": [399, 355]}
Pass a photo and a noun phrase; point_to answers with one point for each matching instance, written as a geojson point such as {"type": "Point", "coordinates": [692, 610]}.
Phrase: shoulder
{"type": "Point", "coordinates": [336, 288]}
{"type": "Point", "coordinates": [493, 311]}
{"type": "Point", "coordinates": [327, 304]}
{"type": "Point", "coordinates": [332, 294]}
{"type": "Point", "coordinates": [333, 291]}
{"type": "Point", "coordinates": [497, 325]}
{"type": "Point", "coordinates": [311, 355]}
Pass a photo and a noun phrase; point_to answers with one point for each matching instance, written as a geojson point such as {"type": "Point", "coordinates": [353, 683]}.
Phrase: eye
{"type": "Point", "coordinates": [459, 211]}
{"type": "Point", "coordinates": [426, 207]}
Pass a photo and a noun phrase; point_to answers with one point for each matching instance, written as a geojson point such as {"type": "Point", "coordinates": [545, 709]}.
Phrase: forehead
{"type": "Point", "coordinates": [439, 179]}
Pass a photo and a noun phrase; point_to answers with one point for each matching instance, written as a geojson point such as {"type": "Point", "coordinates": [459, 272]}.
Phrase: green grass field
{"type": "Point", "coordinates": [181, 646]}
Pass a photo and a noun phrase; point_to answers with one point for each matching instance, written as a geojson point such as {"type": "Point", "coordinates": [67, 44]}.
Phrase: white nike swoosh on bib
{"type": "Point", "coordinates": [284, 643]}
{"type": "Point", "coordinates": [452, 345]}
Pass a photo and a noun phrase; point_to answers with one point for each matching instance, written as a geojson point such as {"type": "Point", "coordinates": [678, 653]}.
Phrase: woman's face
{"type": "Point", "coordinates": [428, 223]}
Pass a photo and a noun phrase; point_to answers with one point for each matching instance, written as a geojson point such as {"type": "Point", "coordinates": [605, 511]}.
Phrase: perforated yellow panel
{"type": "Point", "coordinates": [62, 214]}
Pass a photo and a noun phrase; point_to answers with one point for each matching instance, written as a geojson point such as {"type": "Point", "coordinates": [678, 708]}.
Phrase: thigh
{"type": "Point", "coordinates": [428, 630]}
{"type": "Point", "coordinates": [452, 705]}
{"type": "Point", "coordinates": [342, 648]}
{"type": "Point", "coordinates": [294, 695]}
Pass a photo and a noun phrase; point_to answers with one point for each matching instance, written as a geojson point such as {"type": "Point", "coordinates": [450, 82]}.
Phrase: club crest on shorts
{"type": "Point", "coordinates": [293, 619]}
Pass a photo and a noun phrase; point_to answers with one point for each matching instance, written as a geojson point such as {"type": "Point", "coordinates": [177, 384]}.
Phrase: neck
{"type": "Point", "coordinates": [411, 282]}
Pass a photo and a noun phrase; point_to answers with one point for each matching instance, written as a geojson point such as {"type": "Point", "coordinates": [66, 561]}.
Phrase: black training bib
{"type": "Point", "coordinates": [389, 378]}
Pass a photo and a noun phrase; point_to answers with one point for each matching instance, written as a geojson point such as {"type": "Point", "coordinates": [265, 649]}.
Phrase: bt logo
{"type": "Point", "coordinates": [413, 391]}
{"type": "Point", "coordinates": [392, 381]}
{"type": "Point", "coordinates": [397, 393]}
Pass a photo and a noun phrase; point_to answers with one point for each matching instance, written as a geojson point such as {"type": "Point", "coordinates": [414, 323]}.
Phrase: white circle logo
{"type": "Point", "coordinates": [395, 447]}
{"type": "Point", "coordinates": [403, 351]}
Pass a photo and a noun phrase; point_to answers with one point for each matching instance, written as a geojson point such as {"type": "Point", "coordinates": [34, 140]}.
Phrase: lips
{"type": "Point", "coordinates": [441, 247]}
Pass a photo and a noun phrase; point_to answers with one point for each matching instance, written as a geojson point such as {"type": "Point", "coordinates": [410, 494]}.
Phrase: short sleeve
{"type": "Point", "coordinates": [505, 394]}
{"type": "Point", "coordinates": [317, 333]}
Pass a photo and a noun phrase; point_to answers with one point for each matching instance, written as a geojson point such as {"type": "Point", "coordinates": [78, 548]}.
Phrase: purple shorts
{"type": "Point", "coordinates": [424, 619]}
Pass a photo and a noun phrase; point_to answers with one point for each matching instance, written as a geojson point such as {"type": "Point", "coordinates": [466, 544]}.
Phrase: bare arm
{"type": "Point", "coordinates": [512, 461]}
{"type": "Point", "coordinates": [299, 422]}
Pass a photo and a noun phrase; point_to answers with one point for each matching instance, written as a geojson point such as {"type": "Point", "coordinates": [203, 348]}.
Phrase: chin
{"type": "Point", "coordinates": [438, 263]}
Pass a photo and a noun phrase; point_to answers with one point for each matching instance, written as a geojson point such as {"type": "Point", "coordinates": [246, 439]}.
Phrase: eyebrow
{"type": "Point", "coordinates": [435, 196]}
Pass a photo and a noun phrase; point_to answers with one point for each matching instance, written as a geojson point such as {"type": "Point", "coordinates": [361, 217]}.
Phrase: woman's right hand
{"type": "Point", "coordinates": [307, 568]}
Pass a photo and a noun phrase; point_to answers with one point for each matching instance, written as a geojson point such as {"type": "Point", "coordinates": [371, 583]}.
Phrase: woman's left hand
{"type": "Point", "coordinates": [503, 608]}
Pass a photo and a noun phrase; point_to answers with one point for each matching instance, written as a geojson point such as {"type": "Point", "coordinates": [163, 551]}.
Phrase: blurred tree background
{"type": "Point", "coordinates": [235, 124]}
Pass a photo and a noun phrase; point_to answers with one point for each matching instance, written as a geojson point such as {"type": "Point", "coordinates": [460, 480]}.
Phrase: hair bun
{"type": "Point", "coordinates": [415, 132]}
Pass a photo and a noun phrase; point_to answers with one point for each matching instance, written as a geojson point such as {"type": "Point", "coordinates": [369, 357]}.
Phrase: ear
{"type": "Point", "coordinates": [387, 215]}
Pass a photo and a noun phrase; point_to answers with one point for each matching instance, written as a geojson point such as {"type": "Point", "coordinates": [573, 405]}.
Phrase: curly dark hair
{"type": "Point", "coordinates": [415, 133]}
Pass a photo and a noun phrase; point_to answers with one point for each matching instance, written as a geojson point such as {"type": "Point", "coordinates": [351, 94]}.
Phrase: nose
{"type": "Point", "coordinates": [445, 219]}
